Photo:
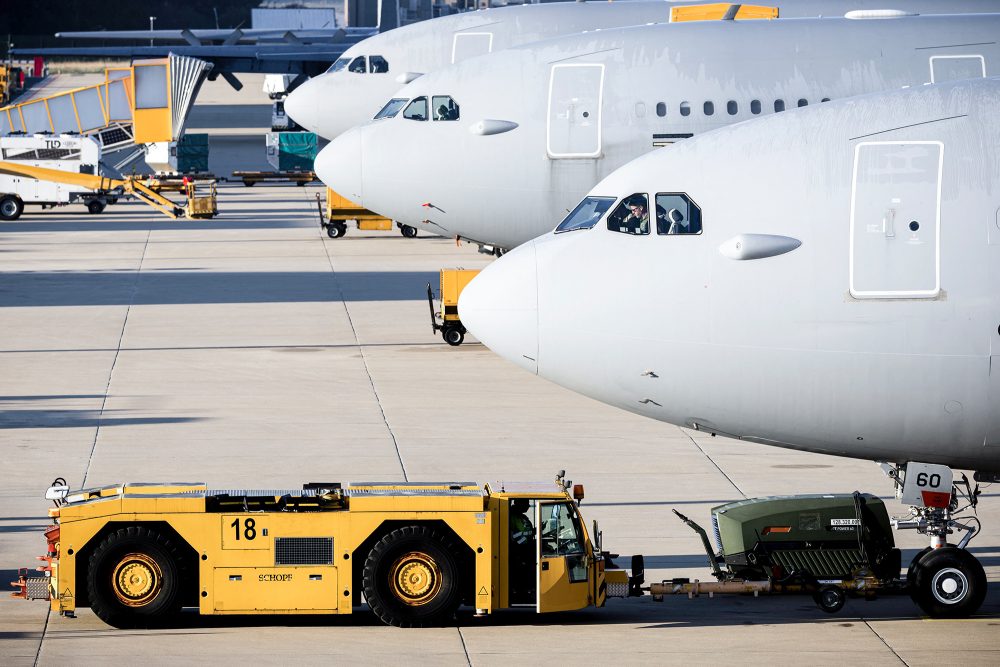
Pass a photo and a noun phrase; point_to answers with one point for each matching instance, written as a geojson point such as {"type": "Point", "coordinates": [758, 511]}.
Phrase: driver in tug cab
{"type": "Point", "coordinates": [522, 552]}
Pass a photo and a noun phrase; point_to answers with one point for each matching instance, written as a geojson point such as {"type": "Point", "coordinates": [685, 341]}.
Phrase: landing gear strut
{"type": "Point", "coordinates": [944, 580]}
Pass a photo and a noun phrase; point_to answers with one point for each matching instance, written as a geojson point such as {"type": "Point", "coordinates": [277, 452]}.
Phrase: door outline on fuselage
{"type": "Point", "coordinates": [600, 115]}
{"type": "Point", "coordinates": [896, 294]}
{"type": "Point", "coordinates": [454, 43]}
{"type": "Point", "coordinates": [968, 56]}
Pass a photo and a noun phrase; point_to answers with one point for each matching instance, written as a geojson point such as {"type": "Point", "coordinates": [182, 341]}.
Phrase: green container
{"type": "Point", "coordinates": [287, 151]}
{"type": "Point", "coordinates": [192, 153]}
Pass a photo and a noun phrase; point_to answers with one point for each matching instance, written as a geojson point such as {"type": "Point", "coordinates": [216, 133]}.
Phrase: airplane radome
{"type": "Point", "coordinates": [353, 90]}
{"type": "Point", "coordinates": [832, 284]}
{"type": "Point", "coordinates": [498, 149]}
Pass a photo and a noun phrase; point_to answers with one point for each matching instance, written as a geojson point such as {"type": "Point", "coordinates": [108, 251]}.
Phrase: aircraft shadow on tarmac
{"type": "Point", "coordinates": [56, 418]}
{"type": "Point", "coordinates": [120, 288]}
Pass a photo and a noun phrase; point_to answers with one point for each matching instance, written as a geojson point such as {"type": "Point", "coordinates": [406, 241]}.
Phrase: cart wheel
{"type": "Point", "coordinates": [95, 206]}
{"type": "Point", "coordinates": [830, 599]}
{"type": "Point", "coordinates": [948, 583]}
{"type": "Point", "coordinates": [408, 231]}
{"type": "Point", "coordinates": [249, 184]}
{"type": "Point", "coordinates": [411, 578]}
{"type": "Point", "coordinates": [335, 230]}
{"type": "Point", "coordinates": [453, 336]}
{"type": "Point", "coordinates": [11, 207]}
{"type": "Point", "coordinates": [134, 578]}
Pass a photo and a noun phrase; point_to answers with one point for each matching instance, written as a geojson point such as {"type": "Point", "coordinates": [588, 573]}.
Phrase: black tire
{"type": "Point", "coordinates": [830, 599]}
{"type": "Point", "coordinates": [408, 231]}
{"type": "Point", "coordinates": [249, 184]}
{"type": "Point", "coordinates": [913, 563]}
{"type": "Point", "coordinates": [95, 206]}
{"type": "Point", "coordinates": [336, 230]}
{"type": "Point", "coordinates": [430, 594]}
{"type": "Point", "coordinates": [948, 583]}
{"type": "Point", "coordinates": [453, 336]}
{"type": "Point", "coordinates": [11, 207]}
{"type": "Point", "coordinates": [157, 567]}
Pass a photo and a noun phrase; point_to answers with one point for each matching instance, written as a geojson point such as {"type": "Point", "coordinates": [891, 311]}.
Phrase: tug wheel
{"type": "Point", "coordinates": [830, 599]}
{"type": "Point", "coordinates": [408, 231]}
{"type": "Point", "coordinates": [411, 578]}
{"type": "Point", "coordinates": [134, 578]}
{"type": "Point", "coordinates": [948, 583]}
{"type": "Point", "coordinates": [11, 207]}
{"type": "Point", "coordinates": [336, 230]}
{"type": "Point", "coordinates": [453, 336]}
{"type": "Point", "coordinates": [95, 206]}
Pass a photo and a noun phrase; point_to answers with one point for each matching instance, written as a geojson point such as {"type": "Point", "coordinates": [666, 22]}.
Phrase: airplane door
{"type": "Point", "coordinates": [895, 219]}
{"type": "Point", "coordinates": [471, 44]}
{"type": "Point", "coordinates": [563, 582]}
{"type": "Point", "coordinates": [573, 127]}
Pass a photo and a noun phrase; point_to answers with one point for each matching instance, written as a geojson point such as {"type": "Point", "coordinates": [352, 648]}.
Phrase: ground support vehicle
{"type": "Point", "coordinates": [339, 210]}
{"type": "Point", "coordinates": [831, 547]}
{"type": "Point", "coordinates": [136, 553]}
{"type": "Point", "coordinates": [195, 206]}
{"type": "Point", "coordinates": [61, 152]}
{"type": "Point", "coordinates": [297, 176]}
{"type": "Point", "coordinates": [446, 320]}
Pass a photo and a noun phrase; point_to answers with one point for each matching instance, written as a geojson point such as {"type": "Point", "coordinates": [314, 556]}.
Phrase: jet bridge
{"type": "Point", "coordinates": [146, 103]}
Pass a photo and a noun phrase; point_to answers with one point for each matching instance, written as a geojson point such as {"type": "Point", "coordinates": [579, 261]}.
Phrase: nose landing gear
{"type": "Point", "coordinates": [944, 580]}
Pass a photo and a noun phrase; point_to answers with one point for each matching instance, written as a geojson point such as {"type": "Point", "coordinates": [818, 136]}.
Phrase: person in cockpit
{"type": "Point", "coordinates": [442, 113]}
{"type": "Point", "coordinates": [674, 223]}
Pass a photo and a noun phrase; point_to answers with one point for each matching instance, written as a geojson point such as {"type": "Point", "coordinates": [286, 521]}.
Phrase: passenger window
{"type": "Point", "coordinates": [444, 107]}
{"type": "Point", "coordinates": [586, 214]}
{"type": "Point", "coordinates": [631, 216]}
{"type": "Point", "coordinates": [378, 65]}
{"type": "Point", "coordinates": [416, 110]}
{"type": "Point", "coordinates": [676, 213]}
{"type": "Point", "coordinates": [661, 109]}
{"type": "Point", "coordinates": [779, 105]}
{"type": "Point", "coordinates": [803, 102]}
{"type": "Point", "coordinates": [391, 108]}
{"type": "Point", "coordinates": [732, 108]}
{"type": "Point", "coordinates": [685, 109]}
{"type": "Point", "coordinates": [709, 108]}
{"type": "Point", "coordinates": [755, 107]}
{"type": "Point", "coordinates": [357, 65]}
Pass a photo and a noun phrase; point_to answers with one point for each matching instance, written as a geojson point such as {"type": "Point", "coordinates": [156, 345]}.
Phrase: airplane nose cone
{"type": "Point", "coordinates": [339, 165]}
{"type": "Point", "coordinates": [303, 105]}
{"type": "Point", "coordinates": [500, 307]}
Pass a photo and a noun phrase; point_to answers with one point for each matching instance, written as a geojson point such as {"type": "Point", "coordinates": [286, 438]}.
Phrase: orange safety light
{"type": "Point", "coordinates": [578, 492]}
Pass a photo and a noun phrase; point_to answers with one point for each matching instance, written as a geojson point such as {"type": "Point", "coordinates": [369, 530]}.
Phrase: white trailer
{"type": "Point", "coordinates": [63, 152]}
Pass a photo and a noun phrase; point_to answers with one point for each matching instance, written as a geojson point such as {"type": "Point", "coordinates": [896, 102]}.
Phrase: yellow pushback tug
{"type": "Point", "coordinates": [137, 553]}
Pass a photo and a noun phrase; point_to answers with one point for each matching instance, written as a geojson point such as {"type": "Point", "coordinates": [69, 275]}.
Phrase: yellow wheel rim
{"type": "Point", "coordinates": [415, 578]}
{"type": "Point", "coordinates": [136, 580]}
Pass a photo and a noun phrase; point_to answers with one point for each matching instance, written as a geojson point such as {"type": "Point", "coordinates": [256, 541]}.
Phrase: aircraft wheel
{"type": "Point", "coordinates": [95, 206]}
{"type": "Point", "coordinates": [453, 336]}
{"type": "Point", "coordinates": [408, 231]}
{"type": "Point", "coordinates": [249, 184]}
{"type": "Point", "coordinates": [830, 599]}
{"type": "Point", "coordinates": [134, 578]}
{"type": "Point", "coordinates": [948, 583]}
{"type": "Point", "coordinates": [335, 230]}
{"type": "Point", "coordinates": [411, 578]}
{"type": "Point", "coordinates": [11, 207]}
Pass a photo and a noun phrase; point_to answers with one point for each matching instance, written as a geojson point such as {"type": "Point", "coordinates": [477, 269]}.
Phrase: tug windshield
{"type": "Point", "coordinates": [586, 214]}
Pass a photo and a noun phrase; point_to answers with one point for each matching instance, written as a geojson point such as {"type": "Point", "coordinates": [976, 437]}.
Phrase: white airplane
{"type": "Point", "coordinates": [824, 280]}
{"type": "Point", "coordinates": [517, 137]}
{"type": "Point", "coordinates": [369, 73]}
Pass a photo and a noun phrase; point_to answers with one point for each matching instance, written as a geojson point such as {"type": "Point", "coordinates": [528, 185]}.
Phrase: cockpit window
{"type": "Point", "coordinates": [586, 214]}
{"type": "Point", "coordinates": [444, 107]}
{"type": "Point", "coordinates": [676, 213]}
{"type": "Point", "coordinates": [631, 216]}
{"type": "Point", "coordinates": [416, 110]}
{"type": "Point", "coordinates": [378, 65]}
{"type": "Point", "coordinates": [358, 65]}
{"type": "Point", "coordinates": [339, 64]}
{"type": "Point", "coordinates": [391, 108]}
